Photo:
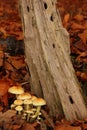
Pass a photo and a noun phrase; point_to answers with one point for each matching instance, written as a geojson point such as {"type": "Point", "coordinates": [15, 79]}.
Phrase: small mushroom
{"type": "Point", "coordinates": [29, 113]}
{"type": "Point", "coordinates": [33, 118]}
{"type": "Point", "coordinates": [16, 90]}
{"type": "Point", "coordinates": [18, 102]}
{"type": "Point", "coordinates": [24, 116]}
{"type": "Point", "coordinates": [34, 110]}
{"type": "Point", "coordinates": [38, 117]}
{"type": "Point", "coordinates": [12, 106]}
{"type": "Point", "coordinates": [24, 96]}
{"type": "Point", "coordinates": [38, 102]}
{"type": "Point", "coordinates": [27, 104]}
{"type": "Point", "coordinates": [33, 97]}
{"type": "Point", "coordinates": [19, 109]}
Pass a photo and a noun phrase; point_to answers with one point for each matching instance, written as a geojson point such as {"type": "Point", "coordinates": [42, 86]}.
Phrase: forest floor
{"type": "Point", "coordinates": [14, 71]}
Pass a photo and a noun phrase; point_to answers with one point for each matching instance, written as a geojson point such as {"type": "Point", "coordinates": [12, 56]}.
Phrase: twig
{"type": "Point", "coordinates": [47, 118]}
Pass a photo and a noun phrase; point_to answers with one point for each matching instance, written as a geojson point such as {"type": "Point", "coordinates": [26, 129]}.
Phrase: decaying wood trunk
{"type": "Point", "coordinates": [47, 55]}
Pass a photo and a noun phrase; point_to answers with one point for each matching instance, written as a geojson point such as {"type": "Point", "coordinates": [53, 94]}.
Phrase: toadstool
{"type": "Point", "coordinates": [27, 103]}
{"type": "Point", "coordinates": [18, 102]}
{"type": "Point", "coordinates": [24, 96]}
{"type": "Point", "coordinates": [16, 90]}
{"type": "Point", "coordinates": [19, 109]}
{"type": "Point", "coordinates": [38, 102]}
{"type": "Point", "coordinates": [12, 106]}
{"type": "Point", "coordinates": [29, 113]}
{"type": "Point", "coordinates": [33, 97]}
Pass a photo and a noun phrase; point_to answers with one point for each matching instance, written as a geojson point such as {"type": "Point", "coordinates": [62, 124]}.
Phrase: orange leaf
{"type": "Point", "coordinates": [66, 18]}
{"type": "Point", "coordinates": [67, 127]}
{"type": "Point", "coordinates": [76, 26]}
{"type": "Point", "coordinates": [1, 58]}
{"type": "Point", "coordinates": [79, 17]}
{"type": "Point", "coordinates": [16, 127]}
{"type": "Point", "coordinates": [28, 126]}
{"type": "Point", "coordinates": [4, 86]}
{"type": "Point", "coordinates": [82, 75]}
{"type": "Point", "coordinates": [84, 126]}
{"type": "Point", "coordinates": [83, 36]}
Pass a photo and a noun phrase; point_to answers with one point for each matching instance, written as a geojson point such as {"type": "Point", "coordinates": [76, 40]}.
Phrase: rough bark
{"type": "Point", "coordinates": [47, 55]}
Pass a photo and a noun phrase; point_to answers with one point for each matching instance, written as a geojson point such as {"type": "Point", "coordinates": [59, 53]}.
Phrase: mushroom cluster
{"type": "Point", "coordinates": [27, 105]}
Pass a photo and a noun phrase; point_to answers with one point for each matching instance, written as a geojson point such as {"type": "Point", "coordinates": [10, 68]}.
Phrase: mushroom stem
{"type": "Point", "coordinates": [29, 113]}
{"type": "Point", "coordinates": [26, 107]}
{"type": "Point", "coordinates": [24, 116]}
{"type": "Point", "coordinates": [32, 119]}
{"type": "Point", "coordinates": [19, 109]}
{"type": "Point", "coordinates": [19, 112]}
{"type": "Point", "coordinates": [16, 96]}
{"type": "Point", "coordinates": [28, 116]}
{"type": "Point", "coordinates": [37, 111]}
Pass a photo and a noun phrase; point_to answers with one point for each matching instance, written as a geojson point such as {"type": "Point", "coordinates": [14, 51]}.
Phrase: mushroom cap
{"type": "Point", "coordinates": [39, 102]}
{"type": "Point", "coordinates": [27, 101]}
{"type": "Point", "coordinates": [33, 97]}
{"type": "Point", "coordinates": [34, 109]}
{"type": "Point", "coordinates": [29, 112]}
{"type": "Point", "coordinates": [19, 108]}
{"type": "Point", "coordinates": [12, 106]}
{"type": "Point", "coordinates": [24, 96]}
{"type": "Point", "coordinates": [16, 90]}
{"type": "Point", "coordinates": [18, 102]}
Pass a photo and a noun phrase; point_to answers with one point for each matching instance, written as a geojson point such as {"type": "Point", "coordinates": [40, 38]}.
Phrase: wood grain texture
{"type": "Point", "coordinates": [47, 55]}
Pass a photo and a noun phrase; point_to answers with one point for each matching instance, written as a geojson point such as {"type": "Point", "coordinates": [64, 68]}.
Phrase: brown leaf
{"type": "Point", "coordinates": [16, 127]}
{"type": "Point", "coordinates": [79, 17]}
{"type": "Point", "coordinates": [76, 26]}
{"type": "Point", "coordinates": [67, 127]}
{"type": "Point", "coordinates": [84, 126]}
{"type": "Point", "coordinates": [80, 45]}
{"type": "Point", "coordinates": [28, 126]}
{"type": "Point", "coordinates": [4, 86]}
{"type": "Point", "coordinates": [66, 20]}
{"type": "Point", "coordinates": [82, 57]}
{"type": "Point", "coordinates": [74, 50]}
{"type": "Point", "coordinates": [3, 31]}
{"type": "Point", "coordinates": [1, 108]}
{"type": "Point", "coordinates": [15, 61]}
{"type": "Point", "coordinates": [83, 36]}
{"type": "Point", "coordinates": [7, 115]}
{"type": "Point", "coordinates": [81, 75]}
{"type": "Point", "coordinates": [1, 58]}
{"type": "Point", "coordinates": [84, 76]}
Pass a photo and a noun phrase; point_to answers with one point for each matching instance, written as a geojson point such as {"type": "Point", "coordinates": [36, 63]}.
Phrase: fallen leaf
{"type": "Point", "coordinates": [83, 36]}
{"type": "Point", "coordinates": [1, 58]}
{"type": "Point", "coordinates": [76, 26]}
{"type": "Point", "coordinates": [79, 17]}
{"type": "Point", "coordinates": [28, 126]}
{"type": "Point", "coordinates": [67, 127]}
{"type": "Point", "coordinates": [7, 115]}
{"type": "Point", "coordinates": [16, 127]}
{"type": "Point", "coordinates": [5, 83]}
{"type": "Point", "coordinates": [15, 62]}
{"type": "Point", "coordinates": [81, 75]}
{"type": "Point", "coordinates": [80, 45]}
{"type": "Point", "coordinates": [66, 20]}
{"type": "Point", "coordinates": [84, 126]}
{"type": "Point", "coordinates": [74, 50]}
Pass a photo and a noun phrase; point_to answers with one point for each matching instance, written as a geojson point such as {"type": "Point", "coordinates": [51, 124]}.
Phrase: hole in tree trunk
{"type": "Point", "coordinates": [53, 45]}
{"type": "Point", "coordinates": [28, 8]}
{"type": "Point", "coordinates": [45, 5]}
{"type": "Point", "coordinates": [71, 100]}
{"type": "Point", "coordinates": [51, 18]}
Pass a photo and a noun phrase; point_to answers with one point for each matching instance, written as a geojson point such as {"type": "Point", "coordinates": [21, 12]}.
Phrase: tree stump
{"type": "Point", "coordinates": [47, 54]}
